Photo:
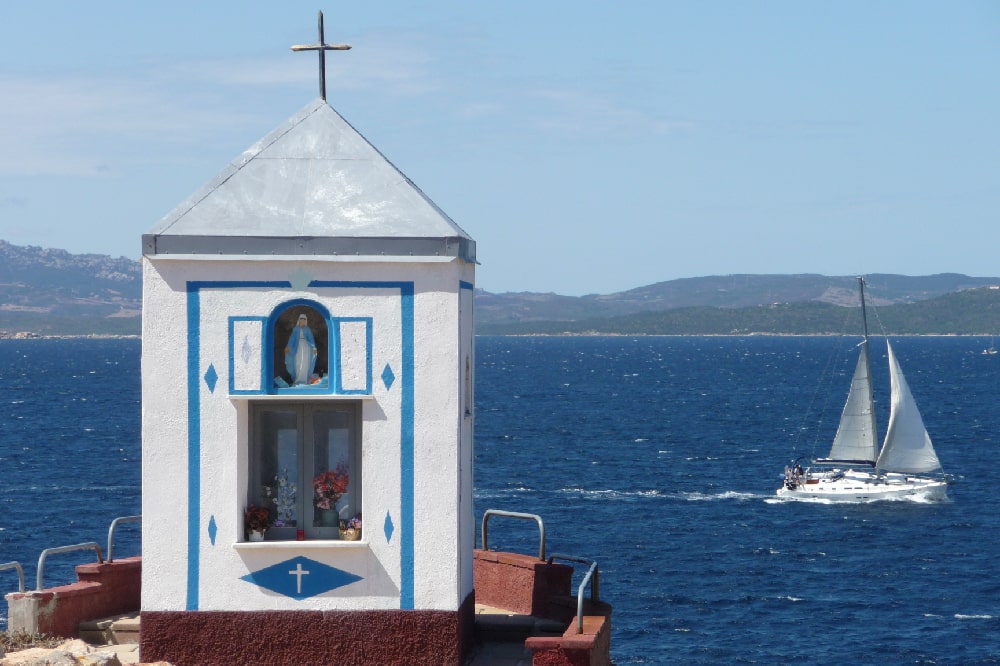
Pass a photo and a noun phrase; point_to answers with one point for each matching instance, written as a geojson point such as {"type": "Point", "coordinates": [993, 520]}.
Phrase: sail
{"type": "Point", "coordinates": [855, 441]}
{"type": "Point", "coordinates": [907, 448]}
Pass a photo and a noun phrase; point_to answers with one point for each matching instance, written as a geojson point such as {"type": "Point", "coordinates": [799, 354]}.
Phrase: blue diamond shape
{"type": "Point", "coordinates": [387, 377]}
{"type": "Point", "coordinates": [213, 529]}
{"type": "Point", "coordinates": [388, 528]}
{"type": "Point", "coordinates": [211, 377]}
{"type": "Point", "coordinates": [246, 350]}
{"type": "Point", "coordinates": [300, 578]}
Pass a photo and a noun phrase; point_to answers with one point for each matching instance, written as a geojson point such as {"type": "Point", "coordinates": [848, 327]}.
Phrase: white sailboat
{"type": "Point", "coordinates": [903, 468]}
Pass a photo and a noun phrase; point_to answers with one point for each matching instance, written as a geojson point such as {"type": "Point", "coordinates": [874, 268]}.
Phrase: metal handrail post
{"type": "Point", "coordinates": [111, 532]}
{"type": "Point", "coordinates": [579, 595]}
{"type": "Point", "coordinates": [90, 545]}
{"type": "Point", "coordinates": [20, 573]}
{"type": "Point", "coordinates": [515, 514]}
{"type": "Point", "coordinates": [593, 573]}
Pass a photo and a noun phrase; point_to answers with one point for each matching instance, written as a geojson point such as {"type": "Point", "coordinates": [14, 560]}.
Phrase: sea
{"type": "Point", "coordinates": [655, 457]}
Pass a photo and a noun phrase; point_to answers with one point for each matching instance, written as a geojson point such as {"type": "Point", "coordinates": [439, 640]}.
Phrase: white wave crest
{"type": "Point", "coordinates": [727, 494]}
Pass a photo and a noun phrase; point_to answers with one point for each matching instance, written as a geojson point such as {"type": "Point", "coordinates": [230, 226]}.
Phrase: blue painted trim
{"type": "Point", "coordinates": [406, 437]}
{"type": "Point", "coordinates": [407, 450]}
{"type": "Point", "coordinates": [194, 425]}
{"type": "Point", "coordinates": [462, 284]}
{"type": "Point", "coordinates": [406, 434]}
{"type": "Point", "coordinates": [232, 355]}
{"type": "Point", "coordinates": [194, 446]}
{"type": "Point", "coordinates": [339, 387]}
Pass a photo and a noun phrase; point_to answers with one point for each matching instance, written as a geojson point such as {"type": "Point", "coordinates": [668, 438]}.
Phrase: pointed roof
{"type": "Point", "coordinates": [312, 186]}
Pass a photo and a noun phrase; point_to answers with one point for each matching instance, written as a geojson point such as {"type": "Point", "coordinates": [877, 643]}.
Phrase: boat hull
{"type": "Point", "coordinates": [851, 486]}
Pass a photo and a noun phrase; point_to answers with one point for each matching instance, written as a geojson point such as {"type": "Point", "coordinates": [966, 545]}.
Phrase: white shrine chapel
{"type": "Point", "coordinates": [307, 420]}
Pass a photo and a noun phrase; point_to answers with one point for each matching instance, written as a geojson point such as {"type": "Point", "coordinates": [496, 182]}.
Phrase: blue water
{"type": "Point", "coordinates": [656, 457]}
{"type": "Point", "coordinates": [70, 455]}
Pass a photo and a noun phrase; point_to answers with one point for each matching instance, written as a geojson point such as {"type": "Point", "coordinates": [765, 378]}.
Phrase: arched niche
{"type": "Point", "coordinates": [288, 340]}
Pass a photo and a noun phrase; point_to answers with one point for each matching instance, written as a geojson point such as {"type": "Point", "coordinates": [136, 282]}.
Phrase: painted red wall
{"type": "Point", "coordinates": [296, 638]}
{"type": "Point", "coordinates": [522, 584]}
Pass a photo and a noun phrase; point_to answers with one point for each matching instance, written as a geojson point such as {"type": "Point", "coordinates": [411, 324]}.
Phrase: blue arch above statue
{"type": "Point", "coordinates": [299, 335]}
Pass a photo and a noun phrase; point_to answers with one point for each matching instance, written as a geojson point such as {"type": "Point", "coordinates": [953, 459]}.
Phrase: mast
{"type": "Point", "coordinates": [868, 364]}
{"type": "Point", "coordinates": [856, 441]}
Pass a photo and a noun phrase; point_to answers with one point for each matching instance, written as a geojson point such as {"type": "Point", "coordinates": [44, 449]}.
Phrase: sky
{"type": "Point", "coordinates": [588, 147]}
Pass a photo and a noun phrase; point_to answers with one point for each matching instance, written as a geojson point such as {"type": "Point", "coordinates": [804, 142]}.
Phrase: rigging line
{"type": "Point", "coordinates": [871, 306]}
{"type": "Point", "coordinates": [834, 359]}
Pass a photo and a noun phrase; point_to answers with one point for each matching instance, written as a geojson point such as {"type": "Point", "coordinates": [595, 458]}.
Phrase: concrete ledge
{"type": "Point", "coordinates": [591, 648]}
{"type": "Point", "coordinates": [521, 584]}
{"type": "Point", "coordinates": [103, 590]}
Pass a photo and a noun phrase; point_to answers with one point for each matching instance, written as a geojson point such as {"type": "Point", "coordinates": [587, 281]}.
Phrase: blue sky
{"type": "Point", "coordinates": [588, 147]}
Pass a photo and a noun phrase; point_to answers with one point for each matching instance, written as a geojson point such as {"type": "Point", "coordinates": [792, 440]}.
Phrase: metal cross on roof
{"type": "Point", "coordinates": [322, 47]}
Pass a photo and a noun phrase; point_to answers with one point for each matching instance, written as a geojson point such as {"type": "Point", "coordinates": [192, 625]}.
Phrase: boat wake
{"type": "Point", "coordinates": [724, 495]}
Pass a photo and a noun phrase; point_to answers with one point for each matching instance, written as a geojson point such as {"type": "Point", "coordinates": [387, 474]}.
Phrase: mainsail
{"type": "Point", "coordinates": [907, 448]}
{"type": "Point", "coordinates": [855, 442]}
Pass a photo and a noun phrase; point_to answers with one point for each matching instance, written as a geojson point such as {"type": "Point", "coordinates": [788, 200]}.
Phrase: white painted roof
{"type": "Point", "coordinates": [312, 186]}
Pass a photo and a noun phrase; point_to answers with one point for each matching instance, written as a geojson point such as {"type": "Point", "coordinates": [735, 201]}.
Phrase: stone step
{"type": "Point", "coordinates": [115, 630]}
{"type": "Point", "coordinates": [498, 625]}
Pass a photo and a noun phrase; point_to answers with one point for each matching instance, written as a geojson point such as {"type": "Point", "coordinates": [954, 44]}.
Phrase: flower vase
{"type": "Point", "coordinates": [328, 517]}
{"type": "Point", "coordinates": [256, 535]}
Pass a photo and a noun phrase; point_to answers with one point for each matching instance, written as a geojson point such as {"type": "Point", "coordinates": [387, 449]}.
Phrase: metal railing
{"type": "Point", "coordinates": [593, 574]}
{"type": "Point", "coordinates": [515, 514]}
{"type": "Point", "coordinates": [20, 573]}
{"type": "Point", "coordinates": [90, 545]}
{"type": "Point", "coordinates": [111, 532]}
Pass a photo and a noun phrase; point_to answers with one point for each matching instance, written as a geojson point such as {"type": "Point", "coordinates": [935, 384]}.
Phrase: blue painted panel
{"type": "Point", "coordinates": [234, 349]}
{"type": "Point", "coordinates": [301, 578]}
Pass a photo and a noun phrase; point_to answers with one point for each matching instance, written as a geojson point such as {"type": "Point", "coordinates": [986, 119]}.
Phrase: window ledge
{"type": "Point", "coordinates": [299, 397]}
{"type": "Point", "coordinates": [299, 545]}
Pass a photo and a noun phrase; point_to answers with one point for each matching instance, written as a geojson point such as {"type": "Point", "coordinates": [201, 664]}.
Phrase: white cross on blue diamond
{"type": "Point", "coordinates": [301, 578]}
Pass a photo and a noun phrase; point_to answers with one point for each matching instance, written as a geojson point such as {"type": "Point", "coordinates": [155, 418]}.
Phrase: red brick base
{"type": "Point", "coordinates": [300, 638]}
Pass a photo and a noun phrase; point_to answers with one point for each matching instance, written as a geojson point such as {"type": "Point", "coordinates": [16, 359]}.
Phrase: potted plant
{"type": "Point", "coordinates": [256, 520]}
{"type": "Point", "coordinates": [328, 488]}
{"type": "Point", "coordinates": [350, 530]}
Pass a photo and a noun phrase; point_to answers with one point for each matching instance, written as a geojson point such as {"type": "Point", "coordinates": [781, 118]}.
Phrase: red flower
{"type": "Point", "coordinates": [258, 518]}
{"type": "Point", "coordinates": [330, 486]}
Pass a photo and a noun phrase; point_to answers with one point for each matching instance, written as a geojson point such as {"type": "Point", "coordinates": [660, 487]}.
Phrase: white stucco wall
{"type": "Point", "coordinates": [187, 308]}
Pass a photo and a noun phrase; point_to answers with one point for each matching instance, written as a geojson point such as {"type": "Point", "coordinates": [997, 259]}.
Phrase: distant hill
{"type": "Point", "coordinates": [727, 291]}
{"type": "Point", "coordinates": [52, 292]}
{"type": "Point", "coordinates": [968, 312]}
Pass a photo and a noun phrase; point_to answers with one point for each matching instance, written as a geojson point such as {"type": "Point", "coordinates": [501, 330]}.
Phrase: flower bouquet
{"type": "Point", "coordinates": [350, 530]}
{"type": "Point", "coordinates": [282, 494]}
{"type": "Point", "coordinates": [328, 488]}
{"type": "Point", "coordinates": [256, 520]}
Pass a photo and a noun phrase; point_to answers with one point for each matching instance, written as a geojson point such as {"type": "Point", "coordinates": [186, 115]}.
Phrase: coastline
{"type": "Point", "coordinates": [29, 335]}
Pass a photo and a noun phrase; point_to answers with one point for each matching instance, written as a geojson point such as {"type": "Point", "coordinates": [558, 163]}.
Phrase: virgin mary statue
{"type": "Point", "coordinates": [300, 352]}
